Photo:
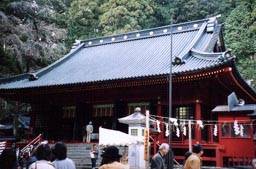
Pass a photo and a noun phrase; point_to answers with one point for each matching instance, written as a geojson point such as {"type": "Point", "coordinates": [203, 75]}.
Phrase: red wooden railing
{"type": "Point", "coordinates": [239, 161]}
{"type": "Point", "coordinates": [35, 141]}
{"type": "Point", "coordinates": [3, 145]}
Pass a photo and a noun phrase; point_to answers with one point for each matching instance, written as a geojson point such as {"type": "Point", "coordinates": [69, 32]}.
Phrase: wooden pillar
{"type": "Point", "coordinates": [80, 119]}
{"type": "Point", "coordinates": [15, 119]}
{"type": "Point", "coordinates": [160, 114]}
{"type": "Point", "coordinates": [219, 158]}
{"type": "Point", "coordinates": [198, 116]}
{"type": "Point", "coordinates": [210, 135]}
{"type": "Point", "coordinates": [118, 112]}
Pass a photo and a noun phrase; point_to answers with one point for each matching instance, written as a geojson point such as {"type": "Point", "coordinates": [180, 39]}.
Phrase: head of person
{"type": "Point", "coordinates": [90, 122]}
{"type": "Point", "coordinates": [198, 149]}
{"type": "Point", "coordinates": [8, 159]}
{"type": "Point", "coordinates": [110, 155]}
{"type": "Point", "coordinates": [187, 154]}
{"type": "Point", "coordinates": [43, 152]}
{"type": "Point", "coordinates": [60, 151]}
{"type": "Point", "coordinates": [164, 148]}
{"type": "Point", "coordinates": [94, 146]}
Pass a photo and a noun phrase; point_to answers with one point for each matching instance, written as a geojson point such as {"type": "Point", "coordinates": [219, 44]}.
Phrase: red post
{"type": "Point", "coordinates": [198, 112]}
{"type": "Point", "coordinates": [219, 159]}
{"type": "Point", "coordinates": [159, 113]}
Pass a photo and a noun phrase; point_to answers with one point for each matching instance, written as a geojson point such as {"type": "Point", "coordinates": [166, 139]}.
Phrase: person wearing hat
{"type": "Point", "coordinates": [111, 159]}
{"type": "Point", "coordinates": [194, 160]}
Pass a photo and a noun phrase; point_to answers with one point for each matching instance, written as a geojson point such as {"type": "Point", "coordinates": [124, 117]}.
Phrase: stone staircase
{"type": "Point", "coordinates": [80, 154]}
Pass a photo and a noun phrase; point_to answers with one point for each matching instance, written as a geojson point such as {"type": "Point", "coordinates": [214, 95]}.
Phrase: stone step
{"type": "Point", "coordinates": [80, 154]}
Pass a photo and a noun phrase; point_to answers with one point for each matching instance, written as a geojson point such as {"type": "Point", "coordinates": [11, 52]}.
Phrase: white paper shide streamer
{"type": "Point", "coordinates": [241, 130]}
{"type": "Point", "coordinates": [200, 123]}
{"type": "Point", "coordinates": [215, 130]}
{"type": "Point", "coordinates": [177, 132]}
{"type": "Point", "coordinates": [167, 132]}
{"type": "Point", "coordinates": [184, 130]}
{"type": "Point", "coordinates": [236, 128]}
{"type": "Point", "coordinates": [181, 126]}
{"type": "Point", "coordinates": [174, 121]}
{"type": "Point", "coordinates": [158, 126]}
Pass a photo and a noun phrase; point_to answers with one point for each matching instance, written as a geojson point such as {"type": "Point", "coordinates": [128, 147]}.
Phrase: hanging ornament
{"type": "Point", "coordinates": [200, 123]}
{"type": "Point", "coordinates": [175, 124]}
{"type": "Point", "coordinates": [215, 130]}
{"type": "Point", "coordinates": [177, 132]}
{"type": "Point", "coordinates": [184, 130]}
{"type": "Point", "coordinates": [167, 132]}
{"type": "Point", "coordinates": [241, 130]}
{"type": "Point", "coordinates": [236, 128]}
{"type": "Point", "coordinates": [158, 126]}
{"type": "Point", "coordinates": [174, 121]}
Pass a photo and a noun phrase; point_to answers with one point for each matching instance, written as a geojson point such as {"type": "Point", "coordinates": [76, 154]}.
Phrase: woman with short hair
{"type": "Point", "coordinates": [61, 160]}
{"type": "Point", "coordinates": [43, 156]}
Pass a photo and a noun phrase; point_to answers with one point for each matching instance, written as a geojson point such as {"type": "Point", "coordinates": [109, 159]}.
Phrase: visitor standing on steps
{"type": "Point", "coordinates": [94, 155]}
{"type": "Point", "coordinates": [89, 131]}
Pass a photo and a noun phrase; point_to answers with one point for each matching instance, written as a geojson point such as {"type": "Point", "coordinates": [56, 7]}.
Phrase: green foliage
{"type": "Point", "coordinates": [247, 67]}
{"type": "Point", "coordinates": [29, 36]}
{"type": "Point", "coordinates": [240, 35]}
{"type": "Point", "coordinates": [121, 16]}
{"type": "Point", "coordinates": [6, 59]}
{"type": "Point", "coordinates": [187, 10]}
{"type": "Point", "coordinates": [83, 19]}
{"type": "Point", "coordinates": [240, 31]}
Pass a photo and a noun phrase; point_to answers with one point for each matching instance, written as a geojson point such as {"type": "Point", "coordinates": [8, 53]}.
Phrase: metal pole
{"type": "Point", "coordinates": [190, 136]}
{"type": "Point", "coordinates": [170, 94]}
{"type": "Point", "coordinates": [146, 141]}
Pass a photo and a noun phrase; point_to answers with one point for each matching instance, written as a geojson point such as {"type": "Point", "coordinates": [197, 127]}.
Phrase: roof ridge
{"type": "Point", "coordinates": [139, 34]}
{"type": "Point", "coordinates": [140, 38]}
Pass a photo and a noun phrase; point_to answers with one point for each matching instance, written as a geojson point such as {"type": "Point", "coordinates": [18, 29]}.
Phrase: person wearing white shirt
{"type": "Point", "coordinates": [89, 131]}
{"type": "Point", "coordinates": [61, 161]}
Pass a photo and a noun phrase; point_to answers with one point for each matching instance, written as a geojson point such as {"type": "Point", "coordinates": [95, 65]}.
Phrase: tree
{"type": "Point", "coordinates": [121, 16]}
{"type": "Point", "coordinates": [83, 19]}
{"type": "Point", "coordinates": [28, 38]}
{"type": "Point", "coordinates": [240, 35]}
{"type": "Point", "coordinates": [187, 10]}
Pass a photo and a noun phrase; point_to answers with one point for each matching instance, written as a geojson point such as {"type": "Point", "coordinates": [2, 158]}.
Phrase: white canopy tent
{"type": "Point", "coordinates": [109, 137]}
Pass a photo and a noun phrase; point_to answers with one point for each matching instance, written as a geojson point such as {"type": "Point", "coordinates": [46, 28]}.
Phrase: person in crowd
{"type": "Point", "coordinates": [111, 159]}
{"type": "Point", "coordinates": [61, 161]}
{"type": "Point", "coordinates": [254, 163]}
{"type": "Point", "coordinates": [186, 155]}
{"type": "Point", "coordinates": [194, 160]}
{"type": "Point", "coordinates": [158, 160]}
{"type": "Point", "coordinates": [43, 155]}
{"type": "Point", "coordinates": [94, 155]}
{"type": "Point", "coordinates": [32, 158]}
{"type": "Point", "coordinates": [8, 159]}
{"type": "Point", "coordinates": [169, 158]}
{"type": "Point", "coordinates": [89, 131]}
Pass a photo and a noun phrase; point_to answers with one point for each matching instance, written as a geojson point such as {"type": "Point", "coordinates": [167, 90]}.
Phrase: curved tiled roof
{"type": "Point", "coordinates": [135, 54]}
